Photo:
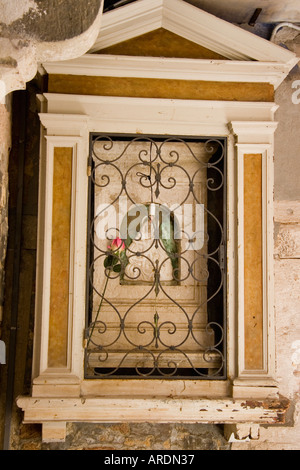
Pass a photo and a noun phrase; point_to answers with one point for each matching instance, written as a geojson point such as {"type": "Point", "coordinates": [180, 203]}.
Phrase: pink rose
{"type": "Point", "coordinates": [117, 244]}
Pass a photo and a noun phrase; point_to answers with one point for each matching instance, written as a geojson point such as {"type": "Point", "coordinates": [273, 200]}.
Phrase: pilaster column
{"type": "Point", "coordinates": [255, 346]}
{"type": "Point", "coordinates": [58, 350]}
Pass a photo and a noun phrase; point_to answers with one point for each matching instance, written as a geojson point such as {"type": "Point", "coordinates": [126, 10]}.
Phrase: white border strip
{"type": "Point", "coordinates": [267, 258]}
{"type": "Point", "coordinates": [52, 143]}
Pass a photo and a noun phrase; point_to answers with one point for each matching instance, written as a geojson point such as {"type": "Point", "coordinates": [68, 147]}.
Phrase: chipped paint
{"type": "Point", "coordinates": [281, 406]}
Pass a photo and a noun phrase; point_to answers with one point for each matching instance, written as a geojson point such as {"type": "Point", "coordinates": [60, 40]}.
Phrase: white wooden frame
{"type": "Point", "coordinates": [131, 115]}
{"type": "Point", "coordinates": [246, 133]}
{"type": "Point", "coordinates": [73, 369]}
{"type": "Point", "coordinates": [105, 65]}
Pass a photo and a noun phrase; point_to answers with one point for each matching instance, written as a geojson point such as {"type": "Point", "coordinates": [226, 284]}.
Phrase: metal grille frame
{"type": "Point", "coordinates": [216, 321]}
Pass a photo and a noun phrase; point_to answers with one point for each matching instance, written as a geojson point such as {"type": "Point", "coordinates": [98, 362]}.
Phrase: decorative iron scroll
{"type": "Point", "coordinates": [156, 294]}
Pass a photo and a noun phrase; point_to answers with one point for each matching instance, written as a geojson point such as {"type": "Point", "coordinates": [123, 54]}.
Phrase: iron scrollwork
{"type": "Point", "coordinates": [141, 321]}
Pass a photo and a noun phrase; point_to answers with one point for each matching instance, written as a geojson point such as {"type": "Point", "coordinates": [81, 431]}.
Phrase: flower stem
{"type": "Point", "coordinates": [98, 311]}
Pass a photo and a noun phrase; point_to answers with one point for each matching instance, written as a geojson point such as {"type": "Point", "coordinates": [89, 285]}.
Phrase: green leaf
{"type": "Point", "coordinates": [108, 261]}
{"type": "Point", "coordinates": [117, 268]}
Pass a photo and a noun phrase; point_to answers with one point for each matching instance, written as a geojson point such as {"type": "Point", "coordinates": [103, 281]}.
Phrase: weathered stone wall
{"type": "Point", "coordinates": [129, 437]}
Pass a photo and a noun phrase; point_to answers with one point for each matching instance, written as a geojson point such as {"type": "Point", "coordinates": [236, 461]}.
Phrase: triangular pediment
{"type": "Point", "coordinates": [190, 23]}
{"type": "Point", "coordinates": [173, 40]}
{"type": "Point", "coordinates": [161, 43]}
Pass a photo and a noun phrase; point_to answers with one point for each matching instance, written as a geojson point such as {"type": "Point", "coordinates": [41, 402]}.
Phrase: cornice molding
{"type": "Point", "coordinates": [67, 114]}
{"type": "Point", "coordinates": [171, 68]}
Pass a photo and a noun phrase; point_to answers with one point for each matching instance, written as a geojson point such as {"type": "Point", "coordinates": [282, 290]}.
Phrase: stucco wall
{"type": "Point", "coordinates": [287, 137]}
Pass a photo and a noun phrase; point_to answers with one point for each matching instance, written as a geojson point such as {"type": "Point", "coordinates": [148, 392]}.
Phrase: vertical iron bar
{"type": "Point", "coordinates": [225, 193]}
{"type": "Point", "coordinates": [88, 251]}
{"type": "Point", "coordinates": [88, 237]}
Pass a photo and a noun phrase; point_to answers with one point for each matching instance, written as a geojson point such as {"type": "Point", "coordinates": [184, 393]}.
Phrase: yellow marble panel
{"type": "Point", "coordinates": [253, 266]}
{"type": "Point", "coordinates": [60, 257]}
{"type": "Point", "coordinates": [161, 43]}
{"type": "Point", "coordinates": [159, 88]}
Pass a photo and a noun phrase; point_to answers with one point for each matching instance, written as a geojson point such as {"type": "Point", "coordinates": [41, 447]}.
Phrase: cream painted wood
{"type": "Point", "coordinates": [54, 431]}
{"type": "Point", "coordinates": [73, 369]}
{"type": "Point", "coordinates": [125, 388]}
{"type": "Point", "coordinates": [243, 132]}
{"type": "Point", "coordinates": [149, 409]}
{"type": "Point", "coordinates": [103, 65]}
{"type": "Point", "coordinates": [151, 116]}
{"type": "Point", "coordinates": [162, 108]}
{"type": "Point", "coordinates": [157, 388]}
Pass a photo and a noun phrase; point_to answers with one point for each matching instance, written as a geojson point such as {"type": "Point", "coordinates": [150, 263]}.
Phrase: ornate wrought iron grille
{"type": "Point", "coordinates": [156, 293]}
